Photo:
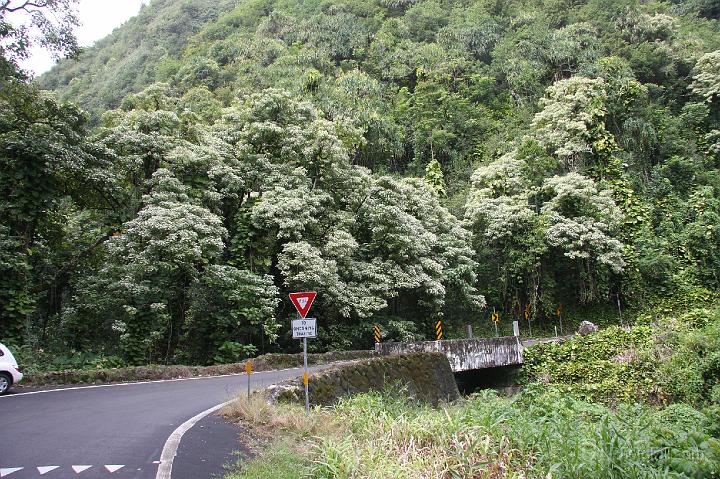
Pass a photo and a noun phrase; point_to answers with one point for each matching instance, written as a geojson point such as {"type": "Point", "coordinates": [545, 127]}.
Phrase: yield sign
{"type": "Point", "coordinates": [303, 301]}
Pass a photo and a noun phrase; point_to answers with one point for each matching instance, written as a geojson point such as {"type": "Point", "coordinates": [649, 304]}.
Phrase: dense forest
{"type": "Point", "coordinates": [411, 160]}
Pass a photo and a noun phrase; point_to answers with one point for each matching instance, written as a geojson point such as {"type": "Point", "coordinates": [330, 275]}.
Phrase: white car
{"type": "Point", "coordinates": [9, 370]}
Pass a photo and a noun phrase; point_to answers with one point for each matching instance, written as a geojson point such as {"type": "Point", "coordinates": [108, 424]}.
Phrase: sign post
{"type": "Point", "coordinates": [248, 371]}
{"type": "Point", "coordinates": [527, 318]}
{"type": "Point", "coordinates": [559, 314]}
{"type": "Point", "coordinates": [304, 328]}
{"type": "Point", "coordinates": [495, 319]}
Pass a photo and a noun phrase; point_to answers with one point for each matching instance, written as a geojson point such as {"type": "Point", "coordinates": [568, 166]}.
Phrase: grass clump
{"type": "Point", "coordinates": [280, 461]}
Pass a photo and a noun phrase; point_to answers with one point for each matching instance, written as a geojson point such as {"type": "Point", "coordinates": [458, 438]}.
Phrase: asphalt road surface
{"type": "Point", "coordinates": [118, 430]}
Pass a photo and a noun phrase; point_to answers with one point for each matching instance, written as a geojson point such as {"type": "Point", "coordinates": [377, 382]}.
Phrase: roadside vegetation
{"type": "Point", "coordinates": [536, 434]}
{"type": "Point", "coordinates": [627, 402]}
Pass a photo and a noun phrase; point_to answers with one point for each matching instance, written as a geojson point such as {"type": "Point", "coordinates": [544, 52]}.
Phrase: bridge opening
{"type": "Point", "coordinates": [502, 378]}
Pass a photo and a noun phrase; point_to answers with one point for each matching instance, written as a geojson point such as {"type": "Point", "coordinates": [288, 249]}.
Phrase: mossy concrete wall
{"type": "Point", "coordinates": [426, 376]}
{"type": "Point", "coordinates": [464, 354]}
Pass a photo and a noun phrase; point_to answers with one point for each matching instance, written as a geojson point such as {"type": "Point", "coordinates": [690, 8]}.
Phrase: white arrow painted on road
{"type": "Point", "coordinates": [45, 469]}
{"type": "Point", "coordinates": [114, 467]}
{"type": "Point", "coordinates": [9, 470]}
{"type": "Point", "coordinates": [79, 469]}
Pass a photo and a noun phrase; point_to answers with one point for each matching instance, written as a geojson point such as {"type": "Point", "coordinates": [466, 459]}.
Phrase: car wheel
{"type": "Point", "coordinates": [5, 382]}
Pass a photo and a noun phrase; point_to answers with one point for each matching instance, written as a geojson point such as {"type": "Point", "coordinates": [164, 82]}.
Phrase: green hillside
{"type": "Point", "coordinates": [410, 160]}
{"type": "Point", "coordinates": [127, 60]}
{"type": "Point", "coordinates": [450, 80]}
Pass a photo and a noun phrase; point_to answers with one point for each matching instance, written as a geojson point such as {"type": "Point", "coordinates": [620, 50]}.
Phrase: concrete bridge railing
{"type": "Point", "coordinates": [464, 354]}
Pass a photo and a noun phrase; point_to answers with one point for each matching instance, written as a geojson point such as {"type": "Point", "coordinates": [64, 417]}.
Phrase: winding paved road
{"type": "Point", "coordinates": [56, 434]}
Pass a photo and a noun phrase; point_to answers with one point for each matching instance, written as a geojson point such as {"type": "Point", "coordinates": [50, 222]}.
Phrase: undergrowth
{"type": "Point", "coordinates": [536, 434]}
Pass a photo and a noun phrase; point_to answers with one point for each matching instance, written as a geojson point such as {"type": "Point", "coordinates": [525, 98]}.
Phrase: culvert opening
{"type": "Point", "coordinates": [501, 378]}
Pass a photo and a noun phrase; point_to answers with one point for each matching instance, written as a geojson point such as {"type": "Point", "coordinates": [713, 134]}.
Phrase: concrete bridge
{"type": "Point", "coordinates": [465, 354]}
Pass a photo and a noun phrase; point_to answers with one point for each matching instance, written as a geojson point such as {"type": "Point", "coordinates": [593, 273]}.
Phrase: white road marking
{"type": "Point", "coordinates": [173, 442]}
{"type": "Point", "coordinates": [95, 386]}
{"type": "Point", "coordinates": [9, 470]}
{"type": "Point", "coordinates": [45, 469]}
{"type": "Point", "coordinates": [79, 469]}
{"type": "Point", "coordinates": [114, 467]}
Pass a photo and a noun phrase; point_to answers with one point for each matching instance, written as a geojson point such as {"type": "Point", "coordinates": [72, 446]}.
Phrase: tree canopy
{"type": "Point", "coordinates": [409, 160]}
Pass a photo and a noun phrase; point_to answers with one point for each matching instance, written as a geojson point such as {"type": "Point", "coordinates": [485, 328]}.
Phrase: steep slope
{"type": "Point", "coordinates": [126, 60]}
{"type": "Point", "coordinates": [423, 80]}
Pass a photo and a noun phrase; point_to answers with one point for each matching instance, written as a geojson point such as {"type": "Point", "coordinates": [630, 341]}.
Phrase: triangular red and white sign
{"type": "Point", "coordinates": [303, 301]}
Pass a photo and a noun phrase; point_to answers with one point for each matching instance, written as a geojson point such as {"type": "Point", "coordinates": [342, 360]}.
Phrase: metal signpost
{"type": "Point", "coordinates": [304, 328]}
{"type": "Point", "coordinates": [495, 319]}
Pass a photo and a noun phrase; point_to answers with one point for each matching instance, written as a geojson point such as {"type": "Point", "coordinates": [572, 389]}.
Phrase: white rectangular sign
{"type": "Point", "coordinates": [304, 328]}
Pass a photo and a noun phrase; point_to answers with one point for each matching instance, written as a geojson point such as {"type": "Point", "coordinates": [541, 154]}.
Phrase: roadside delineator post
{"type": "Point", "coordinates": [559, 315]}
{"type": "Point", "coordinates": [438, 330]}
{"type": "Point", "coordinates": [496, 319]}
{"type": "Point", "coordinates": [377, 334]}
{"type": "Point", "coordinates": [527, 318]}
{"type": "Point", "coordinates": [248, 372]}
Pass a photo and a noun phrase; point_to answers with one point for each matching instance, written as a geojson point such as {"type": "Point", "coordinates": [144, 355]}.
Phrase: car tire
{"type": "Point", "coordinates": [5, 383]}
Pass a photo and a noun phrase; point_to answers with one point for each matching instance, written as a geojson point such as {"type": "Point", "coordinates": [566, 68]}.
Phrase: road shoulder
{"type": "Point", "coordinates": [208, 447]}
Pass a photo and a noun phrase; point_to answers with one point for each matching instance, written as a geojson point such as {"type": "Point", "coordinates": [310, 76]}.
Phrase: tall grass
{"type": "Point", "coordinates": [534, 435]}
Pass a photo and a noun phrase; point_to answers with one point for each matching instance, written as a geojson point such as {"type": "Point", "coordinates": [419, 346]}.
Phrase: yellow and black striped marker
{"type": "Point", "coordinates": [527, 313]}
{"type": "Point", "coordinates": [495, 317]}
{"type": "Point", "coordinates": [438, 330]}
{"type": "Point", "coordinates": [377, 333]}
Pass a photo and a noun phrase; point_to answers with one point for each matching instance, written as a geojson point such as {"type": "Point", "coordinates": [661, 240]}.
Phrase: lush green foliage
{"type": "Point", "coordinates": [675, 361]}
{"type": "Point", "coordinates": [612, 365]}
{"type": "Point", "coordinates": [410, 160]}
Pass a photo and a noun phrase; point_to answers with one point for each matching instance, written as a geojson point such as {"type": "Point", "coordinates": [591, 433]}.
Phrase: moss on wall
{"type": "Point", "coordinates": [427, 377]}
